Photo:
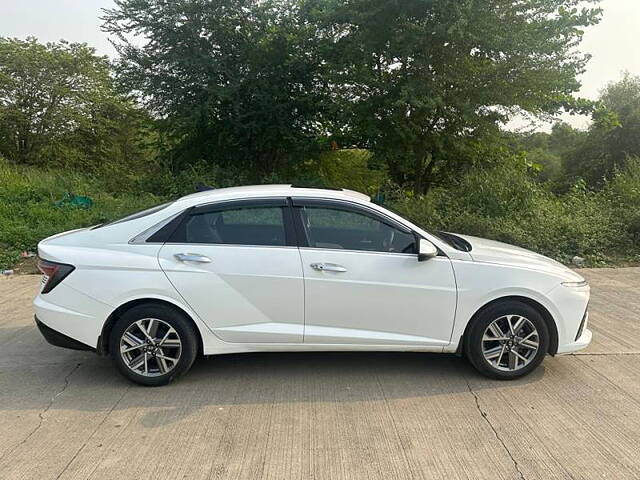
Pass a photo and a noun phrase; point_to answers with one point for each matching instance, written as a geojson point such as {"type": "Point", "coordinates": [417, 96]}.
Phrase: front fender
{"type": "Point", "coordinates": [481, 283]}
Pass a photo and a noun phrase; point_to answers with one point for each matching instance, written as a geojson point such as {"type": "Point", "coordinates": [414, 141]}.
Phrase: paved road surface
{"type": "Point", "coordinates": [69, 415]}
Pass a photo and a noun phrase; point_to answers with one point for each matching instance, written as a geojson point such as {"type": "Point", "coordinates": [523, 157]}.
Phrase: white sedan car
{"type": "Point", "coordinates": [287, 268]}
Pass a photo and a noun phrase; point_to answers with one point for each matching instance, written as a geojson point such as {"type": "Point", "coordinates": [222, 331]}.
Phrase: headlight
{"type": "Point", "coordinates": [583, 283]}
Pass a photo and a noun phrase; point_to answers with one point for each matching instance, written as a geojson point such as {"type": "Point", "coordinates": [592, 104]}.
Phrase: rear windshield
{"type": "Point", "coordinates": [136, 215]}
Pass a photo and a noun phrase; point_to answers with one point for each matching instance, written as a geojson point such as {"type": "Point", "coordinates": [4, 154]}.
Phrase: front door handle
{"type": "Point", "coordinates": [192, 257]}
{"type": "Point", "coordinates": [328, 267]}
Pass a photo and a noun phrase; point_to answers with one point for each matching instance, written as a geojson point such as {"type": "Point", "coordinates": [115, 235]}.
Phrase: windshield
{"type": "Point", "coordinates": [450, 239]}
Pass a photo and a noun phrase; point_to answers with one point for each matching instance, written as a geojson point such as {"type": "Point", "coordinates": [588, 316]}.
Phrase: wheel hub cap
{"type": "Point", "coordinates": [150, 347]}
{"type": "Point", "coordinates": [510, 342]}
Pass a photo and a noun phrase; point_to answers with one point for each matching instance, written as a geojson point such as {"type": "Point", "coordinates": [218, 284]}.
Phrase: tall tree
{"type": "Point", "coordinates": [236, 81]}
{"type": "Point", "coordinates": [421, 81]}
{"type": "Point", "coordinates": [613, 136]}
{"type": "Point", "coordinates": [546, 152]}
{"type": "Point", "coordinates": [57, 103]}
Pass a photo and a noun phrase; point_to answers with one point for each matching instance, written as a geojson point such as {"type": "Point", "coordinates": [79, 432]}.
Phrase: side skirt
{"type": "Point", "coordinates": [316, 347]}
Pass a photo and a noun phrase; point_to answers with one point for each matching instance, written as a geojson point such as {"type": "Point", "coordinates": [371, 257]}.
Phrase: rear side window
{"type": "Point", "coordinates": [252, 225]}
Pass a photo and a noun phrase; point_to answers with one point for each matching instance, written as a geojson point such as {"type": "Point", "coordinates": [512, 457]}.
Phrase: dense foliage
{"type": "Point", "coordinates": [404, 100]}
{"type": "Point", "coordinates": [504, 203]}
{"type": "Point", "coordinates": [58, 107]}
{"type": "Point", "coordinates": [612, 137]}
{"type": "Point", "coordinates": [425, 83]}
{"type": "Point", "coordinates": [236, 82]}
{"type": "Point", "coordinates": [422, 83]}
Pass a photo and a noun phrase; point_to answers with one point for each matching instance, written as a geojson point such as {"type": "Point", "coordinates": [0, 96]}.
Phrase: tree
{"type": "Point", "coordinates": [613, 136]}
{"type": "Point", "coordinates": [546, 152]}
{"type": "Point", "coordinates": [422, 82]}
{"type": "Point", "coordinates": [234, 81]}
{"type": "Point", "coordinates": [57, 104]}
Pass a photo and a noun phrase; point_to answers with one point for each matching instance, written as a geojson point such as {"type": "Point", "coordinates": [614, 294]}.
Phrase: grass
{"type": "Point", "coordinates": [29, 213]}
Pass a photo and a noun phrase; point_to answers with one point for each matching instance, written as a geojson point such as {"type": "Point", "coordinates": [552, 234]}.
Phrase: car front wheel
{"type": "Point", "coordinates": [507, 340]}
{"type": "Point", "coordinates": [153, 344]}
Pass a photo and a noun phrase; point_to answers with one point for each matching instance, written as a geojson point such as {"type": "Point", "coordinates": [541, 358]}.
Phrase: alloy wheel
{"type": "Point", "coordinates": [510, 342]}
{"type": "Point", "coordinates": [150, 347]}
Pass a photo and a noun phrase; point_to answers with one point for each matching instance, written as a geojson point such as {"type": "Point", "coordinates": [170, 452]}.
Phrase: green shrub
{"type": "Point", "coordinates": [349, 168]}
{"type": "Point", "coordinates": [623, 192]}
{"type": "Point", "coordinates": [506, 204]}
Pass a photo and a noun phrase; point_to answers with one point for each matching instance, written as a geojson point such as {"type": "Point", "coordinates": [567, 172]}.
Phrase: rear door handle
{"type": "Point", "coordinates": [328, 267]}
{"type": "Point", "coordinates": [192, 257]}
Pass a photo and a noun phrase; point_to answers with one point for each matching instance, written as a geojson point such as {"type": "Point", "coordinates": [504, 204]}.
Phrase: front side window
{"type": "Point", "coordinates": [337, 228]}
{"type": "Point", "coordinates": [235, 226]}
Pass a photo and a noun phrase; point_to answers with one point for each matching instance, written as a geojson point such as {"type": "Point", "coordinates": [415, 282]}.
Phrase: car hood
{"type": "Point", "coordinates": [490, 251]}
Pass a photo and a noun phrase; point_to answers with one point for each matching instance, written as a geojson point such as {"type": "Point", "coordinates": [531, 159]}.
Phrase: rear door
{"type": "Point", "coordinates": [363, 282]}
{"type": "Point", "coordinates": [238, 267]}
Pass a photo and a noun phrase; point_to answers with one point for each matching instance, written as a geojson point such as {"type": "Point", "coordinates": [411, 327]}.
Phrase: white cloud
{"type": "Point", "coordinates": [613, 46]}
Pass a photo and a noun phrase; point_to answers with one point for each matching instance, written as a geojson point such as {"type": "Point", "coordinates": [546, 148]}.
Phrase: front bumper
{"type": "Point", "coordinates": [582, 338]}
{"type": "Point", "coordinates": [582, 342]}
{"type": "Point", "coordinates": [59, 339]}
{"type": "Point", "coordinates": [570, 306]}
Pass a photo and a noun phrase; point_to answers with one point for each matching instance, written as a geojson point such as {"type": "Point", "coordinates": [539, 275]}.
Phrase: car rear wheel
{"type": "Point", "coordinates": [507, 340]}
{"type": "Point", "coordinates": [153, 344]}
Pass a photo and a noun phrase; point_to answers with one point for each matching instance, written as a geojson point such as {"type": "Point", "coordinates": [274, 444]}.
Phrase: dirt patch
{"type": "Point", "coordinates": [27, 266]}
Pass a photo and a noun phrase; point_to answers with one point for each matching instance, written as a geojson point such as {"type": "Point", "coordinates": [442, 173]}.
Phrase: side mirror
{"type": "Point", "coordinates": [426, 250]}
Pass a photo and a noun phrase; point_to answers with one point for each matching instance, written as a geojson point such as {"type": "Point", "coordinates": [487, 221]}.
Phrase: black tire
{"type": "Point", "coordinates": [473, 340]}
{"type": "Point", "coordinates": [173, 317]}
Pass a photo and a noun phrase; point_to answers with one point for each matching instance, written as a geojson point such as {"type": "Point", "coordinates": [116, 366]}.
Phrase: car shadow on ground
{"type": "Point", "coordinates": [83, 381]}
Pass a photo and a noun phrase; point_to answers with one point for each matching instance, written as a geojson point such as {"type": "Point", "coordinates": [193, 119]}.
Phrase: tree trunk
{"type": "Point", "coordinates": [424, 167]}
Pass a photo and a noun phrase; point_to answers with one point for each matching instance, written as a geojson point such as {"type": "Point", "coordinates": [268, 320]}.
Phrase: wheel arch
{"type": "Point", "coordinates": [103, 341]}
{"type": "Point", "coordinates": [546, 315]}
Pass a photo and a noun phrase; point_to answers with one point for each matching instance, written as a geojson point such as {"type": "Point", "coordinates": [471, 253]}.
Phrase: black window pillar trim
{"type": "Point", "coordinates": [298, 227]}
{"type": "Point", "coordinates": [163, 234]}
{"type": "Point", "coordinates": [290, 234]}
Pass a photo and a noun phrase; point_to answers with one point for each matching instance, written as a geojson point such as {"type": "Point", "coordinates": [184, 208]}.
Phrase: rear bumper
{"type": "Point", "coordinates": [72, 314]}
{"type": "Point", "coordinates": [59, 339]}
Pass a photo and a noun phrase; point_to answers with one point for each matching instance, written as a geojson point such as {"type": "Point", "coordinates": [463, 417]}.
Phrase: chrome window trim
{"type": "Point", "coordinates": [230, 245]}
{"type": "Point", "coordinates": [370, 252]}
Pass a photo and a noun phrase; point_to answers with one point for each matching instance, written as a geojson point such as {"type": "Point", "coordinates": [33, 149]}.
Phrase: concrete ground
{"type": "Point", "coordinates": [69, 415]}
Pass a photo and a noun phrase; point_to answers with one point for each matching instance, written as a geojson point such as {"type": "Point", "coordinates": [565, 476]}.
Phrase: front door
{"type": "Point", "coordinates": [236, 264]}
{"type": "Point", "coordinates": [363, 282]}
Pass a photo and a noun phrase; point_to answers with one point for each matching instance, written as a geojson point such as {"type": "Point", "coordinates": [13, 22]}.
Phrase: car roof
{"type": "Point", "coordinates": [253, 191]}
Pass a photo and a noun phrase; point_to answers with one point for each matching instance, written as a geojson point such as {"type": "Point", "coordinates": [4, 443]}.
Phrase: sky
{"type": "Point", "coordinates": [612, 43]}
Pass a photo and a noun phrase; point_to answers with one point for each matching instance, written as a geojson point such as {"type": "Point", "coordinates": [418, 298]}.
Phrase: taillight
{"type": "Point", "coordinates": [54, 272]}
